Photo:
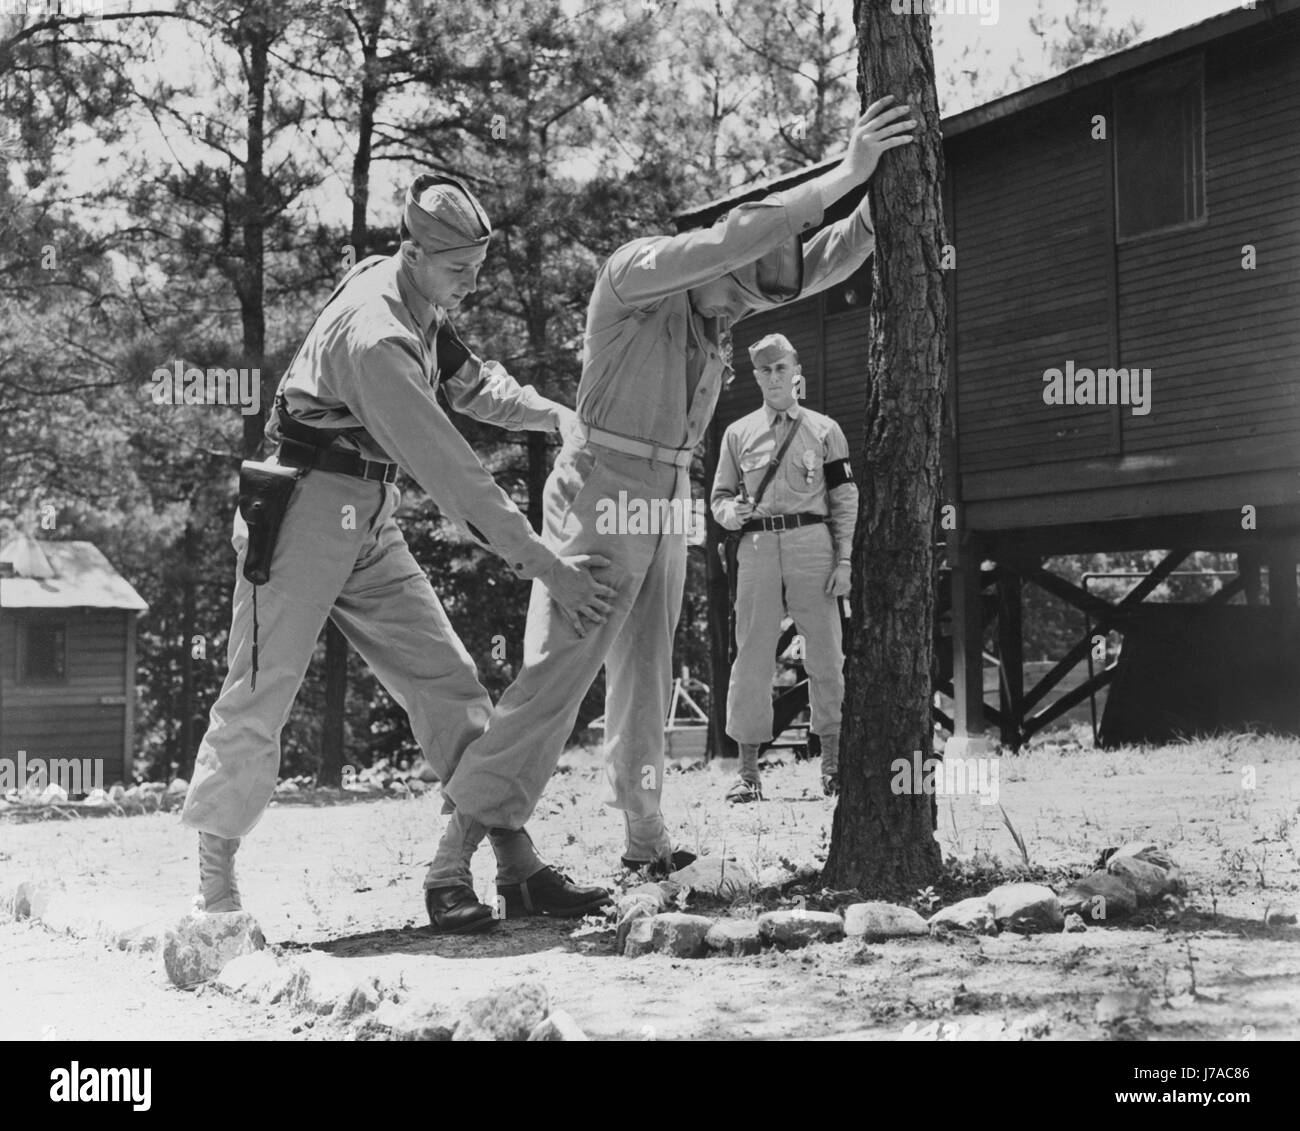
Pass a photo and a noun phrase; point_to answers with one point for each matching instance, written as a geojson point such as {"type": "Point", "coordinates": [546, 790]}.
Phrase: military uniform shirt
{"type": "Point", "coordinates": [641, 325]}
{"type": "Point", "coordinates": [368, 366]}
{"type": "Point", "coordinates": [799, 487]}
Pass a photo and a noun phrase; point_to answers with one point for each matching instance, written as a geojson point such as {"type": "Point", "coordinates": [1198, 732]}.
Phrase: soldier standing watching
{"type": "Point", "coordinates": [794, 558]}
{"type": "Point", "coordinates": [358, 401]}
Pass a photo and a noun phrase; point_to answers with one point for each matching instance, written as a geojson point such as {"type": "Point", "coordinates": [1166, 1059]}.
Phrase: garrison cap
{"type": "Point", "coordinates": [769, 350]}
{"type": "Point", "coordinates": [441, 214]}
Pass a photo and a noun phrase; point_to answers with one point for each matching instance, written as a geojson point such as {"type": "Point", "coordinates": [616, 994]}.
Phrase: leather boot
{"type": "Point", "coordinates": [548, 892]}
{"type": "Point", "coordinates": [456, 910]}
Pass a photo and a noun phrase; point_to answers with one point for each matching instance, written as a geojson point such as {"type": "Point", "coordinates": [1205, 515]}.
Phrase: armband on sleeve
{"type": "Point", "coordinates": [838, 472]}
{"type": "Point", "coordinates": [449, 350]}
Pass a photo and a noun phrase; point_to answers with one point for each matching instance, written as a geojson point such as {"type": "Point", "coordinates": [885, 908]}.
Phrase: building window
{"type": "Point", "coordinates": [43, 653]}
{"type": "Point", "coordinates": [1160, 150]}
{"type": "Point", "coordinates": [852, 294]}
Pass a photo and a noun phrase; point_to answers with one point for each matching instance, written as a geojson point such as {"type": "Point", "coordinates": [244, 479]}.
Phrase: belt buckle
{"type": "Point", "coordinates": [778, 523]}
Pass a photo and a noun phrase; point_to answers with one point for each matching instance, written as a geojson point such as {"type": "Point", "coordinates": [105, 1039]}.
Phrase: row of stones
{"type": "Point", "coordinates": [55, 794]}
{"type": "Point", "coordinates": [323, 986]}
{"type": "Point", "coordinates": [1138, 874]}
{"type": "Point", "coordinates": [227, 952]}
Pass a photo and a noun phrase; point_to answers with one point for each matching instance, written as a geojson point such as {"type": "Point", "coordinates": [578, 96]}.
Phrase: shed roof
{"type": "Point", "coordinates": [1076, 78]}
{"type": "Point", "coordinates": [61, 575]}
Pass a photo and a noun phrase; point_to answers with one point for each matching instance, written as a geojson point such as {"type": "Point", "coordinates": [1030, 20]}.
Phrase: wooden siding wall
{"type": "Point", "coordinates": [1032, 235]}
{"type": "Point", "coordinates": [67, 719]}
{"type": "Point", "coordinates": [1041, 280]}
{"type": "Point", "coordinates": [1223, 342]}
{"type": "Point", "coordinates": [847, 337]}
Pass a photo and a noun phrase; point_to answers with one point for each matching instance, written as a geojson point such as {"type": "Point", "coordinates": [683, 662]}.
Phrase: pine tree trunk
{"type": "Point", "coordinates": [881, 842]}
{"type": "Point", "coordinates": [330, 772]}
{"type": "Point", "coordinates": [258, 38]}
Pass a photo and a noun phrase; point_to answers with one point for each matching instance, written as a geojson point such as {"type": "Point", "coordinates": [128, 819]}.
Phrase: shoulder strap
{"type": "Point", "coordinates": [775, 465]}
{"type": "Point", "coordinates": [363, 266]}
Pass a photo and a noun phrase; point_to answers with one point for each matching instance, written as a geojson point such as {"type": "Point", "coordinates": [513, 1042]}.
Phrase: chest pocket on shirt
{"type": "Point", "coordinates": [805, 466]}
{"type": "Point", "coordinates": [753, 466]}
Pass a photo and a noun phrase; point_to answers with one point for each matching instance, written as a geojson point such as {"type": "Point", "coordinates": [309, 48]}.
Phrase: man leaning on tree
{"type": "Point", "coordinates": [655, 358]}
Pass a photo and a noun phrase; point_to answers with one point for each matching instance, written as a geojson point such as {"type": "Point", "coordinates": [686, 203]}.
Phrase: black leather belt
{"type": "Point", "coordinates": [294, 453]}
{"type": "Point", "coordinates": [780, 522]}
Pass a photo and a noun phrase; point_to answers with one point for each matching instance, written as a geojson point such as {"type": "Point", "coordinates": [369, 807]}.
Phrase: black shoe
{"type": "Point", "coordinates": [549, 892]}
{"type": "Point", "coordinates": [664, 865]}
{"type": "Point", "coordinates": [457, 911]}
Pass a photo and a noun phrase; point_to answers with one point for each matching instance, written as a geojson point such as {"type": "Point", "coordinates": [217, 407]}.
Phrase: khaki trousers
{"type": "Point", "coordinates": [340, 554]}
{"type": "Point", "coordinates": [780, 574]}
{"type": "Point", "coordinates": [502, 774]}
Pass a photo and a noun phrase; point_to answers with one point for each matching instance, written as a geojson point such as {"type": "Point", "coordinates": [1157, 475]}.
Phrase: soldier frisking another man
{"type": "Point", "coordinates": [316, 537]}
{"type": "Point", "coordinates": [784, 482]}
{"type": "Point", "coordinates": [655, 358]}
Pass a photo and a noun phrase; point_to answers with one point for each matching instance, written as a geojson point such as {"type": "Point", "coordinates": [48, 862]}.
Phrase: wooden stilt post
{"type": "Point", "coordinates": [967, 651]}
{"type": "Point", "coordinates": [1248, 571]}
{"type": "Point", "coordinates": [1011, 655]}
{"type": "Point", "coordinates": [1281, 576]}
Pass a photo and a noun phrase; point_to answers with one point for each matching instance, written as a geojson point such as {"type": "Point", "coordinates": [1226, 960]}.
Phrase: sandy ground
{"type": "Point", "coordinates": [344, 877]}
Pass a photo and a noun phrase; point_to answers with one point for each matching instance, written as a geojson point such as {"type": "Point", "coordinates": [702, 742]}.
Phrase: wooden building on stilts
{"type": "Point", "coordinates": [1124, 353]}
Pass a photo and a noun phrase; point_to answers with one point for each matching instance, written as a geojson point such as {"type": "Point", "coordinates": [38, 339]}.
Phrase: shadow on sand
{"type": "Point", "coordinates": [508, 939]}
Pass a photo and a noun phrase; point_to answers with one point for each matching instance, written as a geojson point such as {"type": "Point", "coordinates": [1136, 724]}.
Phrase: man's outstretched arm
{"type": "Point", "coordinates": [485, 391]}
{"type": "Point", "coordinates": [645, 271]}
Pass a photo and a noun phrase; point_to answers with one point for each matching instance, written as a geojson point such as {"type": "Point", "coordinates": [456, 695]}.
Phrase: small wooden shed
{"type": "Point", "coordinates": [67, 655]}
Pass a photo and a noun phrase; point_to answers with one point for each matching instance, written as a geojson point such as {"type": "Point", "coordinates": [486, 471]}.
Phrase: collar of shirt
{"type": "Point", "coordinates": [426, 313]}
{"type": "Point", "coordinates": [792, 413]}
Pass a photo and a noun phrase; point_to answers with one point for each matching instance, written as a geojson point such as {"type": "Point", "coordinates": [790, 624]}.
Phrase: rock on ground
{"type": "Point", "coordinates": [559, 1026]}
{"type": "Point", "coordinates": [715, 875]}
{"type": "Point", "coordinates": [877, 920]}
{"type": "Point", "coordinates": [628, 917]}
{"type": "Point", "coordinates": [255, 977]}
{"type": "Point", "coordinates": [197, 947]}
{"type": "Point", "coordinates": [974, 915]}
{"type": "Point", "coordinates": [1074, 923]}
{"type": "Point", "coordinates": [637, 939]}
{"type": "Point", "coordinates": [773, 876]}
{"type": "Point", "coordinates": [406, 1021]}
{"type": "Point", "coordinates": [328, 985]}
{"type": "Point", "coordinates": [510, 1014]}
{"type": "Point", "coordinates": [1100, 898]}
{"type": "Point", "coordinates": [734, 937]}
{"type": "Point", "coordinates": [1145, 850]}
{"type": "Point", "coordinates": [799, 928]}
{"type": "Point", "coordinates": [679, 934]}
{"type": "Point", "coordinates": [1121, 1005]}
{"type": "Point", "coordinates": [1025, 908]}
{"type": "Point", "coordinates": [1150, 882]}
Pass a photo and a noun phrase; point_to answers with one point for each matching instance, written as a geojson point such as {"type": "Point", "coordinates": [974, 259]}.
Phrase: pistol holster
{"type": "Point", "coordinates": [264, 493]}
